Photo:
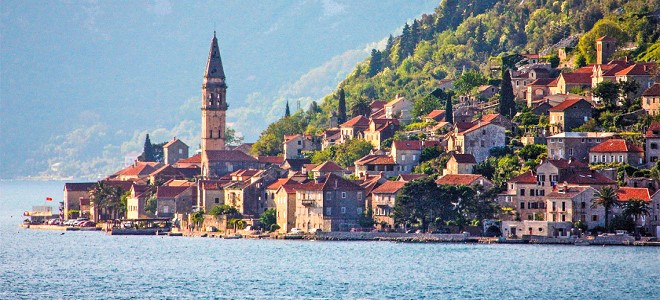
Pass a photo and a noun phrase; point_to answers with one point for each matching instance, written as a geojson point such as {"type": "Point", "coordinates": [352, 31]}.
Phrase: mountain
{"type": "Point", "coordinates": [81, 83]}
{"type": "Point", "coordinates": [480, 35]}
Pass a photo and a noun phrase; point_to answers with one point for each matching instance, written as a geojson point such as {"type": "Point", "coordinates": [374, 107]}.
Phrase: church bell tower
{"type": "Point", "coordinates": [214, 101]}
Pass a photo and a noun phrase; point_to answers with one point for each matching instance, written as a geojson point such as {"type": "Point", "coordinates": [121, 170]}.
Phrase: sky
{"type": "Point", "coordinates": [82, 82]}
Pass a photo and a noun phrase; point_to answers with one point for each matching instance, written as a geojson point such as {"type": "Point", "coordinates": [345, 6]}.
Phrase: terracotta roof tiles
{"type": "Point", "coordinates": [654, 90]}
{"type": "Point", "coordinates": [389, 187]}
{"type": "Point", "coordinates": [616, 145]}
{"type": "Point", "coordinates": [629, 193]}
{"type": "Point", "coordinates": [459, 179]}
{"type": "Point", "coordinates": [567, 104]}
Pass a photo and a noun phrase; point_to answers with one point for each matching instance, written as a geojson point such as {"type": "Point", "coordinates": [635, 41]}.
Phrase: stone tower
{"type": "Point", "coordinates": [605, 47]}
{"type": "Point", "coordinates": [214, 101]}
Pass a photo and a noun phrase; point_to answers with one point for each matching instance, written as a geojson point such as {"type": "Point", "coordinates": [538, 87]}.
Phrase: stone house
{"type": "Point", "coordinates": [210, 193]}
{"type": "Point", "coordinates": [328, 167]}
{"type": "Point", "coordinates": [651, 100]}
{"type": "Point", "coordinates": [654, 216]}
{"type": "Point", "coordinates": [525, 197]}
{"type": "Point", "coordinates": [295, 145]}
{"type": "Point", "coordinates": [329, 203]}
{"type": "Point", "coordinates": [406, 154]}
{"type": "Point", "coordinates": [353, 128]}
{"type": "Point", "coordinates": [285, 206]}
{"type": "Point", "coordinates": [569, 81]}
{"type": "Point", "coordinates": [486, 92]}
{"type": "Point", "coordinates": [641, 73]}
{"type": "Point", "coordinates": [498, 119]}
{"type": "Point", "coordinates": [194, 161]}
{"type": "Point", "coordinates": [138, 170]}
{"type": "Point", "coordinates": [575, 144]}
{"type": "Point", "coordinates": [399, 108]}
{"type": "Point", "coordinates": [538, 89]}
{"type": "Point", "coordinates": [536, 228]}
{"type": "Point", "coordinates": [174, 151]}
{"type": "Point", "coordinates": [436, 115]}
{"type": "Point", "coordinates": [174, 200]}
{"type": "Point", "coordinates": [375, 164]}
{"type": "Point", "coordinates": [380, 130]}
{"type": "Point", "coordinates": [460, 164]}
{"type": "Point", "coordinates": [625, 194]}
{"type": "Point", "coordinates": [476, 140]}
{"type": "Point", "coordinates": [246, 191]}
{"type": "Point", "coordinates": [616, 150]}
{"type": "Point", "coordinates": [569, 114]}
{"type": "Point", "coordinates": [137, 201]}
{"type": "Point", "coordinates": [383, 201]}
{"type": "Point", "coordinates": [74, 194]}
{"type": "Point", "coordinates": [572, 204]}
{"type": "Point", "coordinates": [216, 163]}
{"type": "Point", "coordinates": [553, 172]}
{"type": "Point", "coordinates": [330, 137]}
{"type": "Point", "coordinates": [652, 144]}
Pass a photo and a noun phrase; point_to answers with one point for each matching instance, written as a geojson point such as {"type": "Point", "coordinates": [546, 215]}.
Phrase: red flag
{"type": "Point", "coordinates": [49, 199]}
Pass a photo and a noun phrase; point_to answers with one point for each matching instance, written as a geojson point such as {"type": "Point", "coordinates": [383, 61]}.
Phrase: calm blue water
{"type": "Point", "coordinates": [80, 265]}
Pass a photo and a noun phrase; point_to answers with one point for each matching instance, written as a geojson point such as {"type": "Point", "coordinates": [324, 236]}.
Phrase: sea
{"type": "Point", "coordinates": [37, 264]}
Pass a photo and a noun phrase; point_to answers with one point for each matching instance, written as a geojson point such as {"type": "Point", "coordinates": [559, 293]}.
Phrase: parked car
{"type": "Point", "coordinates": [87, 224]}
{"type": "Point", "coordinates": [295, 231]}
{"type": "Point", "coordinates": [315, 230]}
{"type": "Point", "coordinates": [55, 222]}
{"type": "Point", "coordinates": [69, 222]}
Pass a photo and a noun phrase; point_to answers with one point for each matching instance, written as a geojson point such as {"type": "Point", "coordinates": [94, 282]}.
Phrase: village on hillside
{"type": "Point", "coordinates": [464, 167]}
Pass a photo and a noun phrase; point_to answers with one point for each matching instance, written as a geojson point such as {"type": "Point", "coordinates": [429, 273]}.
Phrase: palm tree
{"type": "Point", "coordinates": [635, 208]}
{"type": "Point", "coordinates": [607, 198]}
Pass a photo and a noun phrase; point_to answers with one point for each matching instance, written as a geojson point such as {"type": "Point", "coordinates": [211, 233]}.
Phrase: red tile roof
{"type": "Point", "coordinates": [229, 155]}
{"type": "Point", "coordinates": [565, 163]}
{"type": "Point", "coordinates": [170, 191]}
{"type": "Point", "coordinates": [641, 69]}
{"type": "Point", "coordinates": [328, 166]}
{"type": "Point", "coordinates": [407, 145]}
{"type": "Point", "coordinates": [585, 70]}
{"type": "Point", "coordinates": [372, 159]}
{"type": "Point", "coordinates": [427, 144]}
{"type": "Point", "coordinates": [589, 178]}
{"type": "Point", "coordinates": [270, 159]}
{"type": "Point", "coordinates": [277, 184]}
{"type": "Point", "coordinates": [459, 179]}
{"type": "Point", "coordinates": [576, 78]}
{"type": "Point", "coordinates": [170, 143]}
{"type": "Point", "coordinates": [410, 177]}
{"type": "Point", "coordinates": [330, 182]}
{"type": "Point", "coordinates": [629, 193]}
{"type": "Point", "coordinates": [654, 90]}
{"type": "Point", "coordinates": [567, 104]}
{"type": "Point", "coordinates": [464, 158]}
{"type": "Point", "coordinates": [655, 126]}
{"type": "Point", "coordinates": [140, 169]}
{"type": "Point", "coordinates": [436, 114]}
{"type": "Point", "coordinates": [616, 145]}
{"type": "Point", "coordinates": [377, 104]}
{"type": "Point", "coordinates": [527, 177]}
{"type": "Point", "coordinates": [389, 187]}
{"type": "Point", "coordinates": [359, 121]}
{"type": "Point", "coordinates": [489, 117]}
{"type": "Point", "coordinates": [195, 159]}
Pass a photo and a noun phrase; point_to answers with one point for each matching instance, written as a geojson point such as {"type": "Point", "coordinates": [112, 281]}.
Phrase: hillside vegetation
{"type": "Point", "coordinates": [482, 36]}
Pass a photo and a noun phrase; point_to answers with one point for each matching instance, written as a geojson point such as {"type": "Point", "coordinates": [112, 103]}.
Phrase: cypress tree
{"type": "Point", "coordinates": [341, 109]}
{"type": "Point", "coordinates": [148, 150]}
{"type": "Point", "coordinates": [507, 105]}
{"type": "Point", "coordinates": [374, 63]}
{"type": "Point", "coordinates": [287, 112]}
{"type": "Point", "coordinates": [449, 110]}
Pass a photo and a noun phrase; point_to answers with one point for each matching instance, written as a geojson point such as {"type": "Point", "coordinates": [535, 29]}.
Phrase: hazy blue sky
{"type": "Point", "coordinates": [83, 81]}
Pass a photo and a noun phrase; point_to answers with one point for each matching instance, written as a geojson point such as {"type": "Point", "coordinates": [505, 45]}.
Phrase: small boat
{"type": "Point", "coordinates": [232, 237]}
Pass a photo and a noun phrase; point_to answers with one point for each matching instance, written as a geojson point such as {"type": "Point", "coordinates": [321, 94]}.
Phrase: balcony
{"type": "Point", "coordinates": [307, 202]}
{"type": "Point", "coordinates": [382, 203]}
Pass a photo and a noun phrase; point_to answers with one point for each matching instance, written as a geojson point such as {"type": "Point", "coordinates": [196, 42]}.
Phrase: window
{"type": "Point", "coordinates": [359, 195]}
{"type": "Point", "coordinates": [414, 157]}
{"type": "Point", "coordinates": [595, 158]}
{"type": "Point", "coordinates": [299, 142]}
{"type": "Point", "coordinates": [343, 210]}
{"type": "Point", "coordinates": [180, 151]}
{"type": "Point", "coordinates": [403, 158]}
{"type": "Point", "coordinates": [328, 211]}
{"type": "Point", "coordinates": [583, 140]}
{"type": "Point", "coordinates": [620, 158]}
{"type": "Point", "coordinates": [594, 218]}
{"type": "Point", "coordinates": [343, 195]}
{"type": "Point", "coordinates": [483, 132]}
{"type": "Point", "coordinates": [540, 229]}
{"type": "Point", "coordinates": [217, 200]}
{"type": "Point", "coordinates": [570, 151]}
{"type": "Point", "coordinates": [522, 205]}
{"type": "Point", "coordinates": [522, 192]}
{"type": "Point", "coordinates": [563, 206]}
{"type": "Point", "coordinates": [552, 140]}
{"type": "Point", "coordinates": [654, 146]}
{"type": "Point", "coordinates": [328, 195]}
{"type": "Point", "coordinates": [583, 205]}
{"type": "Point", "coordinates": [359, 211]}
{"type": "Point", "coordinates": [563, 218]}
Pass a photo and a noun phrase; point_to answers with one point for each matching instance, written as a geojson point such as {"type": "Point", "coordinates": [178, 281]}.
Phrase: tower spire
{"type": "Point", "coordinates": [215, 73]}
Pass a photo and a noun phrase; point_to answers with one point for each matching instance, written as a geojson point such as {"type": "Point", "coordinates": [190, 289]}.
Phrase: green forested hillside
{"type": "Point", "coordinates": [475, 35]}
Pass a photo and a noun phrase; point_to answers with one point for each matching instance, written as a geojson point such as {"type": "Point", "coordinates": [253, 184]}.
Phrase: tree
{"type": "Point", "coordinates": [608, 92]}
{"type": "Point", "coordinates": [232, 138]}
{"type": "Point", "coordinates": [554, 61]}
{"type": "Point", "coordinates": [507, 106]}
{"type": "Point", "coordinates": [374, 63]}
{"type": "Point", "coordinates": [107, 201]}
{"type": "Point", "coordinates": [424, 106]}
{"type": "Point", "coordinates": [197, 218]}
{"type": "Point", "coordinates": [635, 208]}
{"type": "Point", "coordinates": [148, 152]}
{"type": "Point", "coordinates": [341, 108]}
{"type": "Point", "coordinates": [449, 110]}
{"type": "Point", "coordinates": [287, 111]}
{"type": "Point", "coordinates": [532, 151]}
{"type": "Point", "coordinates": [607, 198]}
{"type": "Point", "coordinates": [429, 153]}
{"type": "Point", "coordinates": [361, 108]}
{"type": "Point", "coordinates": [627, 89]}
{"type": "Point", "coordinates": [268, 218]}
{"type": "Point", "coordinates": [580, 61]}
{"type": "Point", "coordinates": [422, 202]}
{"type": "Point", "coordinates": [223, 210]}
{"type": "Point", "coordinates": [469, 80]}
